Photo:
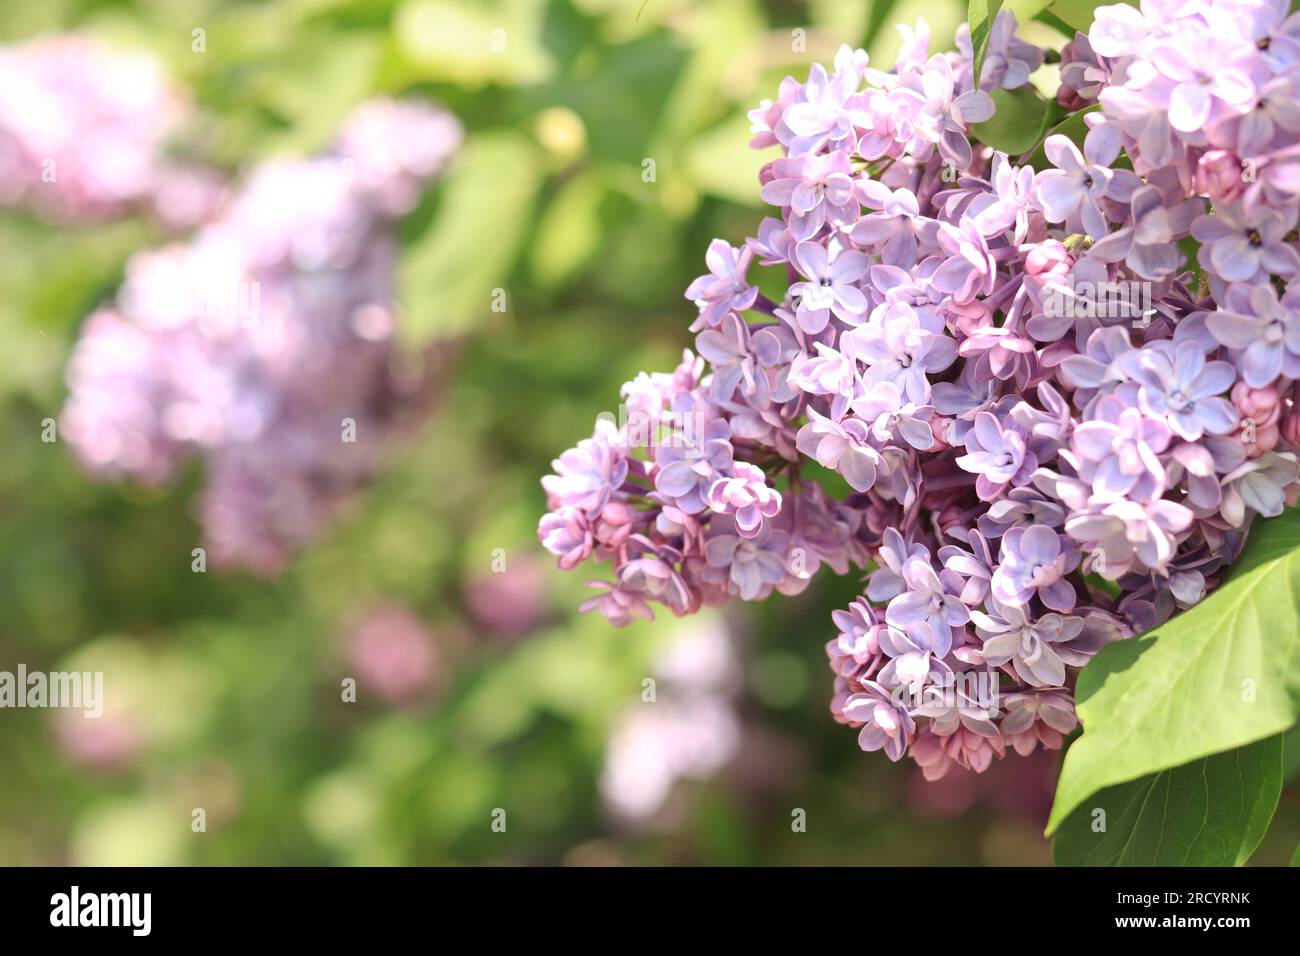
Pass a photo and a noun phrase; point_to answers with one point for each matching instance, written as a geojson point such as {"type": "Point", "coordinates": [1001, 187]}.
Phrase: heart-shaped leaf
{"type": "Point", "coordinates": [1222, 675]}
{"type": "Point", "coordinates": [1210, 812]}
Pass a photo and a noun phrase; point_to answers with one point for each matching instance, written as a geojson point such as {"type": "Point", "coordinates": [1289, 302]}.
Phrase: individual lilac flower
{"type": "Point", "coordinates": [930, 598]}
{"type": "Point", "coordinates": [886, 725]}
{"type": "Point", "coordinates": [829, 373]}
{"type": "Point", "coordinates": [1275, 108]}
{"type": "Point", "coordinates": [1211, 78]}
{"type": "Point", "coordinates": [1148, 242]}
{"type": "Point", "coordinates": [911, 653]}
{"type": "Point", "coordinates": [747, 495]}
{"type": "Point", "coordinates": [729, 350]}
{"type": "Point", "coordinates": [1118, 451]}
{"type": "Point", "coordinates": [998, 455]}
{"type": "Point", "coordinates": [1052, 707]}
{"type": "Point", "coordinates": [844, 446]}
{"type": "Point", "coordinates": [1083, 73]}
{"type": "Point", "coordinates": [965, 397]}
{"type": "Point", "coordinates": [1019, 508]}
{"type": "Point", "coordinates": [1175, 383]}
{"type": "Point", "coordinates": [725, 289]}
{"type": "Point", "coordinates": [891, 419]}
{"type": "Point", "coordinates": [944, 117]}
{"type": "Point", "coordinates": [897, 231]}
{"type": "Point", "coordinates": [1035, 560]}
{"type": "Point", "coordinates": [1124, 530]}
{"type": "Point", "coordinates": [773, 245]}
{"type": "Point", "coordinates": [969, 269]}
{"type": "Point", "coordinates": [819, 116]}
{"type": "Point", "coordinates": [1244, 247]}
{"type": "Point", "coordinates": [753, 565]}
{"type": "Point", "coordinates": [1001, 353]}
{"type": "Point", "coordinates": [1260, 485]}
{"type": "Point", "coordinates": [859, 633]}
{"type": "Point", "coordinates": [1086, 299]}
{"type": "Point", "coordinates": [1263, 332]}
{"type": "Point", "coordinates": [1073, 191]}
{"type": "Point", "coordinates": [831, 286]}
{"type": "Point", "coordinates": [887, 580]}
{"type": "Point", "coordinates": [618, 605]}
{"type": "Point", "coordinates": [566, 533]}
{"type": "Point", "coordinates": [1009, 203]}
{"type": "Point", "coordinates": [587, 475]}
{"type": "Point", "coordinates": [651, 571]}
{"type": "Point", "coordinates": [1271, 28]}
{"type": "Point", "coordinates": [974, 565]}
{"type": "Point", "coordinates": [1011, 637]}
{"type": "Point", "coordinates": [687, 467]}
{"type": "Point", "coordinates": [897, 347]}
{"type": "Point", "coordinates": [1099, 366]}
{"type": "Point", "coordinates": [816, 188]}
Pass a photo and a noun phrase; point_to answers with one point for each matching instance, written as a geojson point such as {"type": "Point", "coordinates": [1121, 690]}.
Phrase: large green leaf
{"type": "Point", "coordinates": [1210, 812]}
{"type": "Point", "coordinates": [449, 275]}
{"type": "Point", "coordinates": [1018, 121]}
{"type": "Point", "coordinates": [1222, 675]}
{"type": "Point", "coordinates": [980, 15]}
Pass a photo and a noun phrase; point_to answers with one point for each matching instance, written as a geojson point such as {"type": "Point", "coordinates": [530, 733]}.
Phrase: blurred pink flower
{"type": "Point", "coordinates": [393, 655]}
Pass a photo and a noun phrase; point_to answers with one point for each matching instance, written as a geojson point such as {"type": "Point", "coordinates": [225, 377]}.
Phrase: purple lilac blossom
{"type": "Point", "coordinates": [265, 346]}
{"type": "Point", "coordinates": [1014, 370]}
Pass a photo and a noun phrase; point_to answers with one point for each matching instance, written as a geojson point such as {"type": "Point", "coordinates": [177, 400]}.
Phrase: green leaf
{"type": "Point", "coordinates": [1210, 812]}
{"type": "Point", "coordinates": [1072, 126]}
{"type": "Point", "coordinates": [1018, 121]}
{"type": "Point", "coordinates": [1025, 10]}
{"type": "Point", "coordinates": [721, 163]}
{"type": "Point", "coordinates": [1079, 14]}
{"type": "Point", "coordinates": [980, 15]}
{"type": "Point", "coordinates": [1224, 674]}
{"type": "Point", "coordinates": [448, 275]}
{"type": "Point", "coordinates": [1295, 857]}
{"type": "Point", "coordinates": [569, 232]}
{"type": "Point", "coordinates": [474, 43]}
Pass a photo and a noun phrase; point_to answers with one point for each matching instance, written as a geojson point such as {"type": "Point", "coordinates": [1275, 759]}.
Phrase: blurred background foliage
{"type": "Point", "coordinates": [224, 690]}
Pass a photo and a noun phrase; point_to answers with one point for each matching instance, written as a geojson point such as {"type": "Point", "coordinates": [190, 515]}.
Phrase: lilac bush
{"type": "Point", "coordinates": [265, 345]}
{"type": "Point", "coordinates": [1056, 392]}
{"type": "Point", "coordinates": [82, 129]}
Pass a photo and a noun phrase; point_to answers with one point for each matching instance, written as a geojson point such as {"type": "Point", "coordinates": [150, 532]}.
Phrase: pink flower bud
{"type": "Point", "coordinates": [1049, 260]}
{"type": "Point", "coordinates": [1218, 175]}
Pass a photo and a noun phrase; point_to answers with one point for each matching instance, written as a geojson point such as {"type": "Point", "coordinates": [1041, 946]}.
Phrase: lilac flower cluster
{"type": "Point", "coordinates": [265, 344]}
{"type": "Point", "coordinates": [1050, 432]}
{"type": "Point", "coordinates": [81, 127]}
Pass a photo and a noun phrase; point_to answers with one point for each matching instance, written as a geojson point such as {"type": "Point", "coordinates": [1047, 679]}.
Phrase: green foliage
{"type": "Point", "coordinates": [1078, 14]}
{"type": "Point", "coordinates": [1073, 126]}
{"type": "Point", "coordinates": [1222, 675]}
{"type": "Point", "coordinates": [449, 274]}
{"type": "Point", "coordinates": [980, 16]}
{"type": "Point", "coordinates": [1019, 120]}
{"type": "Point", "coordinates": [1209, 812]}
